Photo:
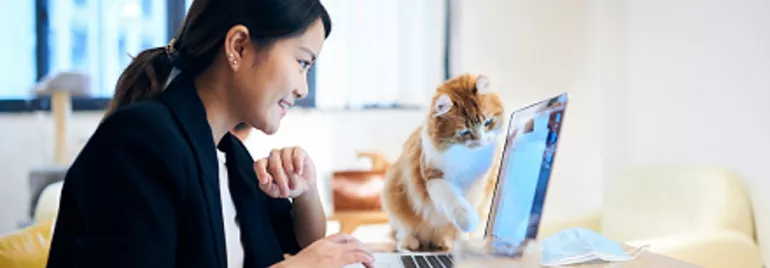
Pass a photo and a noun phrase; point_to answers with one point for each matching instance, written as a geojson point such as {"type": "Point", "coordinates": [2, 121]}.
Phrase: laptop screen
{"type": "Point", "coordinates": [525, 170]}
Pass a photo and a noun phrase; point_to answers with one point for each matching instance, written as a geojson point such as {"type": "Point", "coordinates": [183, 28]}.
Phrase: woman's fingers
{"type": "Point", "coordinates": [299, 156]}
{"type": "Point", "coordinates": [356, 245]}
{"type": "Point", "coordinates": [281, 172]}
{"type": "Point", "coordinates": [357, 257]}
{"type": "Point", "coordinates": [353, 251]}
{"type": "Point", "coordinates": [276, 169]}
{"type": "Point", "coordinates": [288, 166]}
{"type": "Point", "coordinates": [341, 238]}
{"type": "Point", "coordinates": [260, 167]}
{"type": "Point", "coordinates": [265, 179]}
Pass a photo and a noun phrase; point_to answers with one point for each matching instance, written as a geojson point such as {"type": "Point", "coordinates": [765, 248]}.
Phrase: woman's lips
{"type": "Point", "coordinates": [283, 106]}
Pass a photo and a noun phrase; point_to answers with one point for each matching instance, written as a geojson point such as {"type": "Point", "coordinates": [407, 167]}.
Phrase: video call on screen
{"type": "Point", "coordinates": [526, 168]}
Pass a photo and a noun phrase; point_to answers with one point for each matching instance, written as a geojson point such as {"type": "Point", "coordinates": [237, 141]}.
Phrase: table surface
{"type": "Point", "coordinates": [372, 238]}
{"type": "Point", "coordinates": [645, 259]}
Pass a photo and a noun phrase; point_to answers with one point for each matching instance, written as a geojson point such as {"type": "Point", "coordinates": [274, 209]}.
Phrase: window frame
{"type": "Point", "coordinates": [175, 9]}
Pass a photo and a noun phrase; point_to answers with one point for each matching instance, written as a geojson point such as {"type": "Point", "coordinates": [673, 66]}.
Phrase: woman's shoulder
{"type": "Point", "coordinates": [142, 137]}
{"type": "Point", "coordinates": [147, 121]}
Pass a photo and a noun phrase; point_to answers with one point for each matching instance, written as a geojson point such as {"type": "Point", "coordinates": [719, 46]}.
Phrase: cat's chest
{"type": "Point", "coordinates": [463, 166]}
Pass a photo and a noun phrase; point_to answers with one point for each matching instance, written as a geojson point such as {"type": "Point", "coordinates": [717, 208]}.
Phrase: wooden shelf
{"type": "Point", "coordinates": [350, 220]}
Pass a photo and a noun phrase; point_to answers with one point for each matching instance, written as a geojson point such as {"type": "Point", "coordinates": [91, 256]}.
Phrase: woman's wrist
{"type": "Point", "coordinates": [311, 194]}
{"type": "Point", "coordinates": [309, 217]}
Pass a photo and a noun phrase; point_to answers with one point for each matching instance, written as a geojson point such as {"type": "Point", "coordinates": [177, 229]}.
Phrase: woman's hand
{"type": "Point", "coordinates": [333, 251]}
{"type": "Point", "coordinates": [287, 172]}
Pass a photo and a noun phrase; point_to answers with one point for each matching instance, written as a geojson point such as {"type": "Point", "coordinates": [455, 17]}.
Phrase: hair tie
{"type": "Point", "coordinates": [175, 56]}
{"type": "Point", "coordinates": [170, 46]}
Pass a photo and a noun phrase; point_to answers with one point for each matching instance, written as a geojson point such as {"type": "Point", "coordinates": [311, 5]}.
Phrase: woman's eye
{"type": "Point", "coordinates": [488, 122]}
{"type": "Point", "coordinates": [304, 64]}
{"type": "Point", "coordinates": [464, 132]}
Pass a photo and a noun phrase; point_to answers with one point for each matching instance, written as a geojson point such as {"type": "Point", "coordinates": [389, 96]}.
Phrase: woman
{"type": "Point", "coordinates": [144, 191]}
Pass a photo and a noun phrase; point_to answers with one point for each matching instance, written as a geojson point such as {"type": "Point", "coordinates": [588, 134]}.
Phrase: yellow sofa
{"type": "Point", "coordinates": [698, 214]}
{"type": "Point", "coordinates": [28, 247]}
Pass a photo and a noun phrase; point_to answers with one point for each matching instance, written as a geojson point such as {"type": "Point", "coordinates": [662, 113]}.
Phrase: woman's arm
{"type": "Point", "coordinates": [309, 217]}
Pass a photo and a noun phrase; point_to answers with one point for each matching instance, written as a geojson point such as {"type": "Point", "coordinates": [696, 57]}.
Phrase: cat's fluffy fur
{"type": "Point", "coordinates": [429, 190]}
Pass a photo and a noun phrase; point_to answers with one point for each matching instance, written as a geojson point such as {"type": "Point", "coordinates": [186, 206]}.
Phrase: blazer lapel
{"type": "Point", "coordinates": [181, 97]}
{"type": "Point", "coordinates": [251, 208]}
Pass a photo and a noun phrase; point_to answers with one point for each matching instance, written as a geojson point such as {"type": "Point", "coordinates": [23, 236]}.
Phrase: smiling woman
{"type": "Point", "coordinates": [164, 183]}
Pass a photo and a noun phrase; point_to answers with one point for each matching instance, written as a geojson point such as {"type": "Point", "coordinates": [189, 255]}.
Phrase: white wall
{"type": "Point", "coordinates": [699, 75]}
{"type": "Point", "coordinates": [535, 49]}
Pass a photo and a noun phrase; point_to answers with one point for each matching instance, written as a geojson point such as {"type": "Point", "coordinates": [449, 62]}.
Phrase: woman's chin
{"type": "Point", "coordinates": [271, 129]}
{"type": "Point", "coordinates": [268, 125]}
{"type": "Point", "coordinates": [272, 126]}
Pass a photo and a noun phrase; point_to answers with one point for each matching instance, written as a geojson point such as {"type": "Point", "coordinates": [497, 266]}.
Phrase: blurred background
{"type": "Point", "coordinates": [668, 97]}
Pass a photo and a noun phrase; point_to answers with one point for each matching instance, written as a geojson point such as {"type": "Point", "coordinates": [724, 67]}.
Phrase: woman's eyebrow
{"type": "Point", "coordinates": [312, 55]}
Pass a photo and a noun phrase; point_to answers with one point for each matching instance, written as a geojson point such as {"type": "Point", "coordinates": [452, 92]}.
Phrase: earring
{"type": "Point", "coordinates": [235, 62]}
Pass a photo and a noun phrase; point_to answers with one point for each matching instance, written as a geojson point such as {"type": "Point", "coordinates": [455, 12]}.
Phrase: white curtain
{"type": "Point", "coordinates": [381, 52]}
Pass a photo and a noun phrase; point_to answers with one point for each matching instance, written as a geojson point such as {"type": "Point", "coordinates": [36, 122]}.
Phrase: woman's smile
{"type": "Point", "coordinates": [283, 106]}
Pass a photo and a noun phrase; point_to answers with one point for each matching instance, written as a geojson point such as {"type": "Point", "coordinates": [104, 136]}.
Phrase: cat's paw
{"type": "Point", "coordinates": [408, 243]}
{"type": "Point", "coordinates": [466, 219]}
{"type": "Point", "coordinates": [444, 244]}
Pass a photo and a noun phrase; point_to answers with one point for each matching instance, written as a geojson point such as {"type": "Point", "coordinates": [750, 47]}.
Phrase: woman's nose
{"type": "Point", "coordinates": [302, 91]}
{"type": "Point", "coordinates": [298, 94]}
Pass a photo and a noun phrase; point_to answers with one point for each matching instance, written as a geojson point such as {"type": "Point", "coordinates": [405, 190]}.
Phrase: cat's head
{"type": "Point", "coordinates": [464, 111]}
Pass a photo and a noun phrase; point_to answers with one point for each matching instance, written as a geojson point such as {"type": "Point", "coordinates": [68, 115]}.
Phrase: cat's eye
{"type": "Point", "coordinates": [488, 122]}
{"type": "Point", "coordinates": [464, 132]}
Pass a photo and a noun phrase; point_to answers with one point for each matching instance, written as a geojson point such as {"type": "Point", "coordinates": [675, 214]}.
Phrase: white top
{"type": "Point", "coordinates": [232, 230]}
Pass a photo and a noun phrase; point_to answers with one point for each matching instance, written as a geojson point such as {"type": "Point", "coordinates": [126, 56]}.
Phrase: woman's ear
{"type": "Point", "coordinates": [236, 42]}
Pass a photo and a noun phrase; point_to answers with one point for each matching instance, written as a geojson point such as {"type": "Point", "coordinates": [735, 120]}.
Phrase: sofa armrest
{"type": "Point", "coordinates": [27, 247]}
{"type": "Point", "coordinates": [709, 248]}
{"type": "Point", "coordinates": [548, 226]}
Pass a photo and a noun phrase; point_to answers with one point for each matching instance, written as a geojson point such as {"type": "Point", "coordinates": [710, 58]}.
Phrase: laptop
{"type": "Point", "coordinates": [520, 189]}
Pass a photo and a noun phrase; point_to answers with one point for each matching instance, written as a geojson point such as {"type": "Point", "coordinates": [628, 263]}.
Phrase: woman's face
{"type": "Point", "coordinates": [268, 80]}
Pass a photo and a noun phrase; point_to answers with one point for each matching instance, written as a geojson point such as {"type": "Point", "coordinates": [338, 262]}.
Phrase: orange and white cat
{"type": "Point", "coordinates": [426, 191]}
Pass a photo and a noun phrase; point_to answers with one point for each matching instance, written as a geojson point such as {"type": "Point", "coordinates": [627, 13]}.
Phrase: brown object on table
{"type": "Point", "coordinates": [645, 259]}
{"type": "Point", "coordinates": [350, 220]}
{"type": "Point", "coordinates": [357, 190]}
{"type": "Point", "coordinates": [379, 161]}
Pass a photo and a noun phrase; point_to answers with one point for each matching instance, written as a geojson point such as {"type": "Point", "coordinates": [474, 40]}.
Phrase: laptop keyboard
{"type": "Point", "coordinates": [427, 261]}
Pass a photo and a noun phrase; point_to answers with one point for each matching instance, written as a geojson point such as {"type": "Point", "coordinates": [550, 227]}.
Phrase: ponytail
{"type": "Point", "coordinates": [142, 80]}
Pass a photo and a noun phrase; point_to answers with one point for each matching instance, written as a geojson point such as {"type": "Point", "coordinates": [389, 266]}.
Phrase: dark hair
{"type": "Point", "coordinates": [202, 35]}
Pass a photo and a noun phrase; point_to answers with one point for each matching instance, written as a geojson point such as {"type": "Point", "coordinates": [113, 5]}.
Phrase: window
{"type": "Point", "coordinates": [382, 54]}
{"type": "Point", "coordinates": [17, 48]}
{"type": "Point", "coordinates": [95, 37]}
{"type": "Point", "coordinates": [98, 37]}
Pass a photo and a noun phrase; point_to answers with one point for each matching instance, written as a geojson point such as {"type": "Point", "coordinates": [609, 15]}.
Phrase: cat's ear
{"type": "Point", "coordinates": [482, 84]}
{"type": "Point", "coordinates": [442, 105]}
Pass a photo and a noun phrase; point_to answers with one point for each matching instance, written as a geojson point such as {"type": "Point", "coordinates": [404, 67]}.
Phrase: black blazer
{"type": "Point", "coordinates": [144, 192]}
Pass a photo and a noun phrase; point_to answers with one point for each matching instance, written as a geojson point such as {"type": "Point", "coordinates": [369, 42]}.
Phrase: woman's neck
{"type": "Point", "coordinates": [210, 90]}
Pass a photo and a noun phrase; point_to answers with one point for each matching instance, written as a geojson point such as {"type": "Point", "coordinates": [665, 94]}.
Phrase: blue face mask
{"type": "Point", "coordinates": [576, 245]}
